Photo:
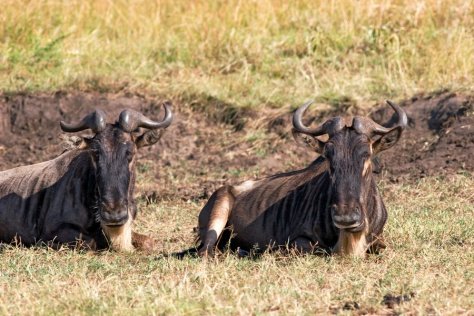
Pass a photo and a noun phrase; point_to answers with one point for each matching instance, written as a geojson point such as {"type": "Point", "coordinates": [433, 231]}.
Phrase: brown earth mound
{"type": "Point", "coordinates": [438, 141]}
{"type": "Point", "coordinates": [200, 152]}
{"type": "Point", "coordinates": [195, 155]}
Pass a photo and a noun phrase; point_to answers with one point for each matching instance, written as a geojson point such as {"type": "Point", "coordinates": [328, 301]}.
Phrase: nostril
{"type": "Point", "coordinates": [347, 219]}
{"type": "Point", "coordinates": [114, 218]}
{"type": "Point", "coordinates": [113, 205]}
{"type": "Point", "coordinates": [356, 216]}
{"type": "Point", "coordinates": [108, 206]}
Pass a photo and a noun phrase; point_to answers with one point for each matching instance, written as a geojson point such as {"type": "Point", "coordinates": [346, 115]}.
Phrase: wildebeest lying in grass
{"type": "Point", "coordinates": [333, 205]}
{"type": "Point", "coordinates": [84, 195]}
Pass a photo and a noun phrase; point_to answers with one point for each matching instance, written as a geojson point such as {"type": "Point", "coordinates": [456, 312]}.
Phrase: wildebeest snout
{"type": "Point", "coordinates": [113, 204]}
{"type": "Point", "coordinates": [114, 213]}
{"type": "Point", "coordinates": [347, 216]}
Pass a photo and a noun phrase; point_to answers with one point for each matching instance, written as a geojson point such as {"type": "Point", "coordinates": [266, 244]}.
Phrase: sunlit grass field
{"type": "Point", "coordinates": [249, 54]}
{"type": "Point", "coordinates": [430, 259]}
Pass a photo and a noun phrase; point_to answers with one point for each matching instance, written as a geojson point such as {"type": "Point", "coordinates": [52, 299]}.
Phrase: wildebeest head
{"type": "Point", "coordinates": [349, 150]}
{"type": "Point", "coordinates": [113, 149]}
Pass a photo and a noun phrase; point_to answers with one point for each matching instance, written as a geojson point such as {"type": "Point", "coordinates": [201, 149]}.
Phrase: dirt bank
{"type": "Point", "coordinates": [199, 152]}
{"type": "Point", "coordinates": [438, 141]}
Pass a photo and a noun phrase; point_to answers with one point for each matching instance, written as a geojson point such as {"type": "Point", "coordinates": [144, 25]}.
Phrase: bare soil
{"type": "Point", "coordinates": [202, 150]}
{"type": "Point", "coordinates": [438, 141]}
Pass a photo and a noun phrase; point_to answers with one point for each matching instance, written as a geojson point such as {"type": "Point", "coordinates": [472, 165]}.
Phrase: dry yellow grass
{"type": "Point", "coordinates": [431, 254]}
{"type": "Point", "coordinates": [248, 53]}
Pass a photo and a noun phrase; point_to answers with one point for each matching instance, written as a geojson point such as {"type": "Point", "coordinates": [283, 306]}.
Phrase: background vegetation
{"type": "Point", "coordinates": [249, 54]}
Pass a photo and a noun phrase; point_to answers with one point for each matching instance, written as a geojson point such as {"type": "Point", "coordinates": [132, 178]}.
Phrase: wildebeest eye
{"type": "Point", "coordinates": [129, 155]}
{"type": "Point", "coordinates": [364, 155]}
{"type": "Point", "coordinates": [127, 150]}
{"type": "Point", "coordinates": [328, 150]}
{"type": "Point", "coordinates": [95, 153]}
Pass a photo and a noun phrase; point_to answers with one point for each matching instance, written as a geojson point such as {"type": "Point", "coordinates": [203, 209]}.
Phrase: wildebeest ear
{"type": "Point", "coordinates": [87, 140]}
{"type": "Point", "coordinates": [149, 138]}
{"type": "Point", "coordinates": [73, 142]}
{"type": "Point", "coordinates": [307, 140]}
{"type": "Point", "coordinates": [387, 140]}
{"type": "Point", "coordinates": [376, 165]}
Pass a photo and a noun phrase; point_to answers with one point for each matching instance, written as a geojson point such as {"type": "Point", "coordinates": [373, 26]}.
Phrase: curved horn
{"type": "Point", "coordinates": [369, 127]}
{"type": "Point", "coordinates": [94, 121]}
{"type": "Point", "coordinates": [330, 127]}
{"type": "Point", "coordinates": [130, 120]}
{"type": "Point", "coordinates": [300, 127]}
{"type": "Point", "coordinates": [402, 115]}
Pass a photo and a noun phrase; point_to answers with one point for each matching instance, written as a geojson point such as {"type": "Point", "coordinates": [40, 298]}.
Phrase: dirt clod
{"type": "Point", "coordinates": [391, 300]}
{"type": "Point", "coordinates": [350, 306]}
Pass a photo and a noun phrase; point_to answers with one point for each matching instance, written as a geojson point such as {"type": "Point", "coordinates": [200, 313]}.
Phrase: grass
{"type": "Point", "coordinates": [431, 254]}
{"type": "Point", "coordinates": [244, 53]}
{"type": "Point", "coordinates": [221, 58]}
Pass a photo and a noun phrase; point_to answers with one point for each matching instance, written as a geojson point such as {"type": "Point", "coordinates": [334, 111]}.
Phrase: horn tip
{"type": "Point", "coordinates": [403, 118]}
{"type": "Point", "coordinates": [305, 105]}
{"type": "Point", "coordinates": [309, 102]}
{"type": "Point", "coordinates": [62, 124]}
{"type": "Point", "coordinates": [389, 102]}
{"type": "Point", "coordinates": [168, 114]}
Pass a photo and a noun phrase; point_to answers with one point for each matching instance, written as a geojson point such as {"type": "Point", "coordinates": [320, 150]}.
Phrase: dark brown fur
{"type": "Point", "coordinates": [331, 206]}
{"type": "Point", "coordinates": [77, 196]}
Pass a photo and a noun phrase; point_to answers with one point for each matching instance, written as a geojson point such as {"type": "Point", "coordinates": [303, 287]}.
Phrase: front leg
{"type": "Point", "coordinates": [70, 236]}
{"type": "Point", "coordinates": [213, 219]}
{"type": "Point", "coordinates": [304, 245]}
{"type": "Point", "coordinates": [377, 245]}
{"type": "Point", "coordinates": [143, 242]}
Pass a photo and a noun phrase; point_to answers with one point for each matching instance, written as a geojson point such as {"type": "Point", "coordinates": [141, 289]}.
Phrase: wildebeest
{"type": "Point", "coordinates": [84, 195]}
{"type": "Point", "coordinates": [331, 206]}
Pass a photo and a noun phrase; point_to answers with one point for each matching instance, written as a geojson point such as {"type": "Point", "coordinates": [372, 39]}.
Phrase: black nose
{"type": "Point", "coordinates": [348, 218]}
{"type": "Point", "coordinates": [114, 218]}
